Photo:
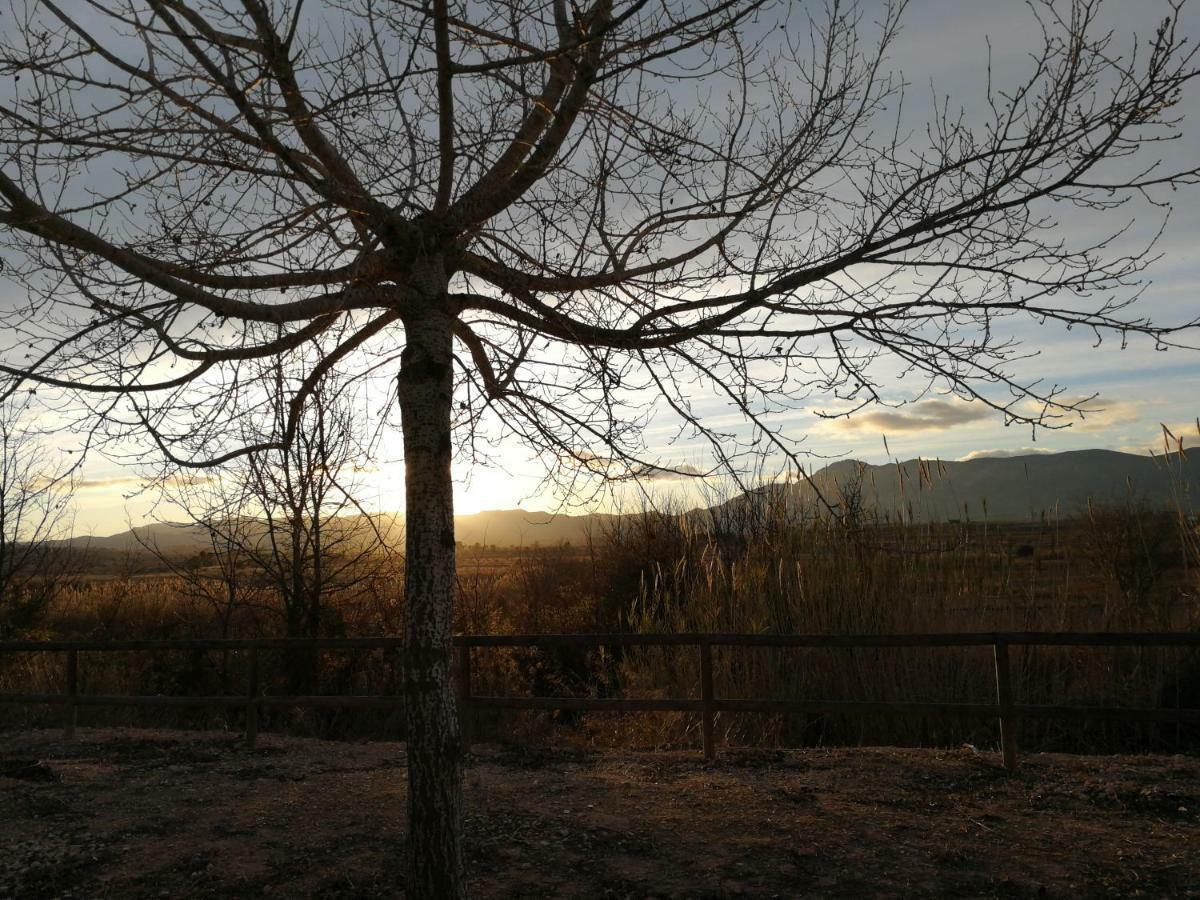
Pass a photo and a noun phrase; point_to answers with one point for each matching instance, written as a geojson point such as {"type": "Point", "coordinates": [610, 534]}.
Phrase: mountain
{"type": "Point", "coordinates": [1000, 489]}
{"type": "Point", "coordinates": [503, 528]}
{"type": "Point", "coordinates": [169, 538]}
{"type": "Point", "coordinates": [522, 528]}
{"type": "Point", "coordinates": [1004, 489]}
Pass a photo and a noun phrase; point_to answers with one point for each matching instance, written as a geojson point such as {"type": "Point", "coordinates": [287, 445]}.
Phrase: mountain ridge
{"type": "Point", "coordinates": [1012, 488]}
{"type": "Point", "coordinates": [998, 488]}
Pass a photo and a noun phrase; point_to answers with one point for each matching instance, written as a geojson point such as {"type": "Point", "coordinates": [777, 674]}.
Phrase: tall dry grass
{"type": "Point", "coordinates": [762, 567]}
{"type": "Point", "coordinates": [765, 568]}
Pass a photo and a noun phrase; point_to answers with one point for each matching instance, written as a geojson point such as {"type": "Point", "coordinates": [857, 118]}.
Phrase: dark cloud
{"type": "Point", "coordinates": [131, 482]}
{"type": "Point", "coordinates": [924, 415]}
{"type": "Point", "coordinates": [658, 473]}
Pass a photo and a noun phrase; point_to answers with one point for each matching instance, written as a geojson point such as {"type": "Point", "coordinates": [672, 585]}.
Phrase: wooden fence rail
{"type": "Point", "coordinates": [1005, 710]}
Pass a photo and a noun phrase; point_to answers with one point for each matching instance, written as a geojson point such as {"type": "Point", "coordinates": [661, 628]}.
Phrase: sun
{"type": "Point", "coordinates": [510, 481]}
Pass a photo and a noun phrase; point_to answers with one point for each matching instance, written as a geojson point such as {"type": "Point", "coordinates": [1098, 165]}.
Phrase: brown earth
{"type": "Point", "coordinates": [165, 814]}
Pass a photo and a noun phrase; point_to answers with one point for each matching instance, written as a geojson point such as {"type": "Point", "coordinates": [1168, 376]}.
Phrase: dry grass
{"type": "Point", "coordinates": [758, 569]}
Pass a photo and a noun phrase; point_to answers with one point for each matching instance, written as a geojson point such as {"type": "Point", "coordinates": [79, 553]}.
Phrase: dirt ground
{"type": "Point", "coordinates": [124, 813]}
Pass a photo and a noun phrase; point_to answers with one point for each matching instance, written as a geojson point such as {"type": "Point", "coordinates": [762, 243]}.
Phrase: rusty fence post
{"type": "Point", "coordinates": [463, 683]}
{"type": "Point", "coordinates": [252, 695]}
{"type": "Point", "coordinates": [706, 697]}
{"type": "Point", "coordinates": [72, 717]}
{"type": "Point", "coordinates": [1004, 699]}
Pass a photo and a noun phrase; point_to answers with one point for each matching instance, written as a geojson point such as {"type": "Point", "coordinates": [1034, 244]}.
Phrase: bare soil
{"type": "Point", "coordinates": [125, 813]}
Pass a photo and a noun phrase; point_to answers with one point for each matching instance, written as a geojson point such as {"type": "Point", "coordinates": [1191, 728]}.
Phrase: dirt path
{"type": "Point", "coordinates": [163, 814]}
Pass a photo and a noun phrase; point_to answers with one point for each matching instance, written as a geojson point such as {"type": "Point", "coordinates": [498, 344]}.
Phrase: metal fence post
{"type": "Point", "coordinates": [706, 696]}
{"type": "Point", "coordinates": [464, 694]}
{"type": "Point", "coordinates": [72, 692]}
{"type": "Point", "coordinates": [1008, 723]}
{"type": "Point", "coordinates": [252, 700]}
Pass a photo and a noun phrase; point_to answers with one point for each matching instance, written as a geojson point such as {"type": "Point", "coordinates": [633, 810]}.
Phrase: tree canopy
{"type": "Point", "coordinates": [620, 197]}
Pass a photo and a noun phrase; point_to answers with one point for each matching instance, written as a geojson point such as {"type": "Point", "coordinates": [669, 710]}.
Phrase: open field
{"type": "Point", "coordinates": [150, 813]}
{"type": "Point", "coordinates": [757, 569]}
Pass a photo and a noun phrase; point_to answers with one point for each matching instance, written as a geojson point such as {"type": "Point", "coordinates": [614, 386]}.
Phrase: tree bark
{"type": "Point", "coordinates": [435, 803]}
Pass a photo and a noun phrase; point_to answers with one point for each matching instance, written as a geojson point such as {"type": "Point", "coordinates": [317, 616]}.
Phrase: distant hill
{"type": "Point", "coordinates": [503, 528]}
{"type": "Point", "coordinates": [1001, 489]}
{"type": "Point", "coordinates": [1004, 489]}
{"type": "Point", "coordinates": [169, 538]}
{"type": "Point", "coordinates": [519, 527]}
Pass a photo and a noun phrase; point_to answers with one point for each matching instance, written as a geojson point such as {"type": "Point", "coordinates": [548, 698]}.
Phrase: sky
{"type": "Point", "coordinates": [1137, 390]}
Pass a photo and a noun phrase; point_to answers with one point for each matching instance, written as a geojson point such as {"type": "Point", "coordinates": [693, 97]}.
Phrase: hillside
{"type": "Point", "coordinates": [524, 528]}
{"type": "Point", "coordinates": [1004, 489]}
{"type": "Point", "coordinates": [1000, 489]}
{"type": "Point", "coordinates": [504, 528]}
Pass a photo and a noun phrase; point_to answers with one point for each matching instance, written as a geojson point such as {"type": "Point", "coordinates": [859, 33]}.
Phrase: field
{"type": "Point", "coordinates": [143, 813]}
{"type": "Point", "coordinates": [1123, 567]}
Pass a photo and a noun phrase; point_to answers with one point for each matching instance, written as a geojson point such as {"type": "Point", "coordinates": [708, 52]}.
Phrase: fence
{"type": "Point", "coordinates": [708, 704]}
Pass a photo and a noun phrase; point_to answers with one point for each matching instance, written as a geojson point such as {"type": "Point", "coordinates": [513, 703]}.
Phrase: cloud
{"type": "Point", "coordinates": [924, 415]}
{"type": "Point", "coordinates": [132, 482]}
{"type": "Point", "coordinates": [1104, 414]}
{"type": "Point", "coordinates": [658, 473]}
{"type": "Point", "coordinates": [1166, 438]}
{"type": "Point", "coordinates": [104, 484]}
{"type": "Point", "coordinates": [1003, 453]}
{"type": "Point", "coordinates": [190, 479]}
{"type": "Point", "coordinates": [89, 484]}
{"type": "Point", "coordinates": [620, 469]}
{"type": "Point", "coordinates": [1095, 415]}
{"type": "Point", "coordinates": [1170, 437]}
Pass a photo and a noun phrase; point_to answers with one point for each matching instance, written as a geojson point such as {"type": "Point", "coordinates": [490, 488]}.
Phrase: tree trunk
{"type": "Point", "coordinates": [435, 803]}
{"type": "Point", "coordinates": [301, 664]}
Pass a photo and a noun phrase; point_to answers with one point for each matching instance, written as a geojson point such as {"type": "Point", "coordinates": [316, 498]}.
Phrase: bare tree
{"type": "Point", "coordinates": [35, 520]}
{"type": "Point", "coordinates": [557, 220]}
{"type": "Point", "coordinates": [288, 519]}
{"type": "Point", "coordinates": [216, 577]}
